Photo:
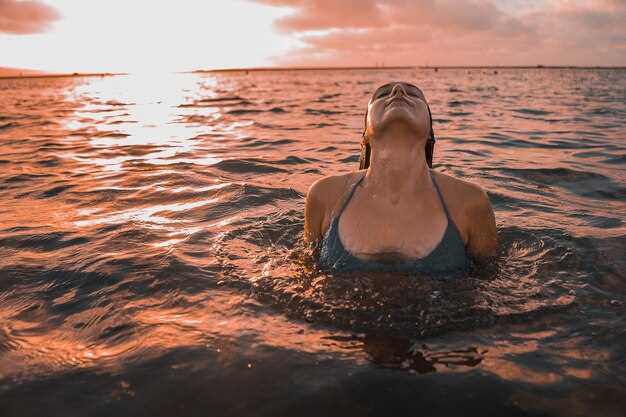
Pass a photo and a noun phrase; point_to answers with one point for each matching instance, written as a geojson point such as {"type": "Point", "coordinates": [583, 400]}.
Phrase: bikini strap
{"type": "Point", "coordinates": [345, 203]}
{"type": "Point", "coordinates": [443, 202]}
{"type": "Point", "coordinates": [347, 200]}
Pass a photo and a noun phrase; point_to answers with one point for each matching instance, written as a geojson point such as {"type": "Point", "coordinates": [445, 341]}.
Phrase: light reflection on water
{"type": "Point", "coordinates": [152, 224]}
{"type": "Point", "coordinates": [145, 111]}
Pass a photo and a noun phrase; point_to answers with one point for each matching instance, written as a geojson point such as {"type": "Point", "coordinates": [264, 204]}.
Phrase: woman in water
{"type": "Point", "coordinates": [396, 213]}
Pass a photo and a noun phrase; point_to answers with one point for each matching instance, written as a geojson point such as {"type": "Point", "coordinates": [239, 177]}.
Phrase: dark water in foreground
{"type": "Point", "coordinates": [151, 264]}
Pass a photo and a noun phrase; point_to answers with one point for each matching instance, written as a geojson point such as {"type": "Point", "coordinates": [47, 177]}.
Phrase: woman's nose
{"type": "Point", "coordinates": [397, 89]}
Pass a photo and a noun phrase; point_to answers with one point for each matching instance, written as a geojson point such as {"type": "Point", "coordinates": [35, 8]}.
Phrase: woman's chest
{"type": "Point", "coordinates": [412, 235]}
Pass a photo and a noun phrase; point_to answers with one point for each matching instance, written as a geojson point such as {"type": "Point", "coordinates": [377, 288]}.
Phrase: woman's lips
{"type": "Point", "coordinates": [397, 100]}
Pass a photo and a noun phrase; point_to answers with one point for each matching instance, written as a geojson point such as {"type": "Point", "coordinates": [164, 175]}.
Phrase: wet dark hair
{"type": "Point", "coordinates": [364, 157]}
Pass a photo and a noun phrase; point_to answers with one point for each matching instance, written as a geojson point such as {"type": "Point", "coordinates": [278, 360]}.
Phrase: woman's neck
{"type": "Point", "coordinates": [397, 167]}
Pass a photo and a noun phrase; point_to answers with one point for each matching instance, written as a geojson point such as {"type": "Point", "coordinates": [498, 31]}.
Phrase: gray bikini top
{"type": "Point", "coordinates": [449, 255]}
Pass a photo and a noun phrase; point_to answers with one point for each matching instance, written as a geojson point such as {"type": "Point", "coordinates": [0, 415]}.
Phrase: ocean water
{"type": "Point", "coordinates": [151, 260]}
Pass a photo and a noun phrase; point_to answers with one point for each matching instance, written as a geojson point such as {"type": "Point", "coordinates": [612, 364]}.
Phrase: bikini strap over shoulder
{"type": "Point", "coordinates": [443, 201]}
{"type": "Point", "coordinates": [347, 200]}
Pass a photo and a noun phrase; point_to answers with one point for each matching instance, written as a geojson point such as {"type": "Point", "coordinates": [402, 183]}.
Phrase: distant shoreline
{"type": "Point", "coordinates": [262, 69]}
{"type": "Point", "coordinates": [433, 67]}
{"type": "Point", "coordinates": [70, 75]}
{"type": "Point", "coordinates": [30, 75]}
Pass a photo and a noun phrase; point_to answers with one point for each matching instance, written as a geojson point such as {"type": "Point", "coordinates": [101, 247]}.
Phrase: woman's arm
{"type": "Point", "coordinates": [321, 200]}
{"type": "Point", "coordinates": [314, 210]}
{"type": "Point", "coordinates": [482, 241]}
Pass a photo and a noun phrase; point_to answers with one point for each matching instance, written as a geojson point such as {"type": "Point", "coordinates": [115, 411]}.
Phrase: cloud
{"type": "Point", "coordinates": [354, 14]}
{"type": "Point", "coordinates": [451, 32]}
{"type": "Point", "coordinates": [325, 14]}
{"type": "Point", "coordinates": [25, 17]}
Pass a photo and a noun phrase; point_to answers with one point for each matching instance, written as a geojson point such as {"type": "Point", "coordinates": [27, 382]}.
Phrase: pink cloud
{"type": "Point", "coordinates": [449, 32]}
{"type": "Point", "coordinates": [327, 14]}
{"type": "Point", "coordinates": [25, 17]}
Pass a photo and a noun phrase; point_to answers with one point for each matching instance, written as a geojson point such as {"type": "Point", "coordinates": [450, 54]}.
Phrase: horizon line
{"type": "Point", "coordinates": [313, 68]}
{"type": "Point", "coordinates": [400, 67]}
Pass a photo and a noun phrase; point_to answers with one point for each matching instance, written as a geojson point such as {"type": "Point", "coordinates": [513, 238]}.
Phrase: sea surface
{"type": "Point", "coordinates": [152, 264]}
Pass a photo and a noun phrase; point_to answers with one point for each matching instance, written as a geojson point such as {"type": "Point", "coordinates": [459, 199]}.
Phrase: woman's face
{"type": "Point", "coordinates": [398, 102]}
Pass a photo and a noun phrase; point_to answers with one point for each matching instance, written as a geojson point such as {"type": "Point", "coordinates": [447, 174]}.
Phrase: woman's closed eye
{"type": "Point", "coordinates": [382, 92]}
{"type": "Point", "coordinates": [387, 91]}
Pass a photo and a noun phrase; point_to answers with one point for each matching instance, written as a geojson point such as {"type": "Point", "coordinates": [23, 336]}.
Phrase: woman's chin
{"type": "Point", "coordinates": [397, 119]}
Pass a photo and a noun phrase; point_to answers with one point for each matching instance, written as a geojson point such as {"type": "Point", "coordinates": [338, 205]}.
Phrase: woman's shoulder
{"type": "Point", "coordinates": [461, 189]}
{"type": "Point", "coordinates": [322, 201]}
{"type": "Point", "coordinates": [330, 189]}
{"type": "Point", "coordinates": [472, 212]}
{"type": "Point", "coordinates": [467, 202]}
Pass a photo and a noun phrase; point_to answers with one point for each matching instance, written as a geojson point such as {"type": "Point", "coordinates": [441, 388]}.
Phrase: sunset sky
{"type": "Point", "coordinates": [138, 35]}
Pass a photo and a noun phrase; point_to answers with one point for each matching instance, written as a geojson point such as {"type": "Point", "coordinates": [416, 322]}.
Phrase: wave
{"type": "Point", "coordinates": [460, 103]}
{"type": "Point", "coordinates": [253, 111]}
{"type": "Point", "coordinates": [47, 242]}
{"type": "Point", "coordinates": [585, 183]}
{"type": "Point", "coordinates": [322, 112]}
{"type": "Point", "coordinates": [534, 112]}
{"type": "Point", "coordinates": [247, 166]}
